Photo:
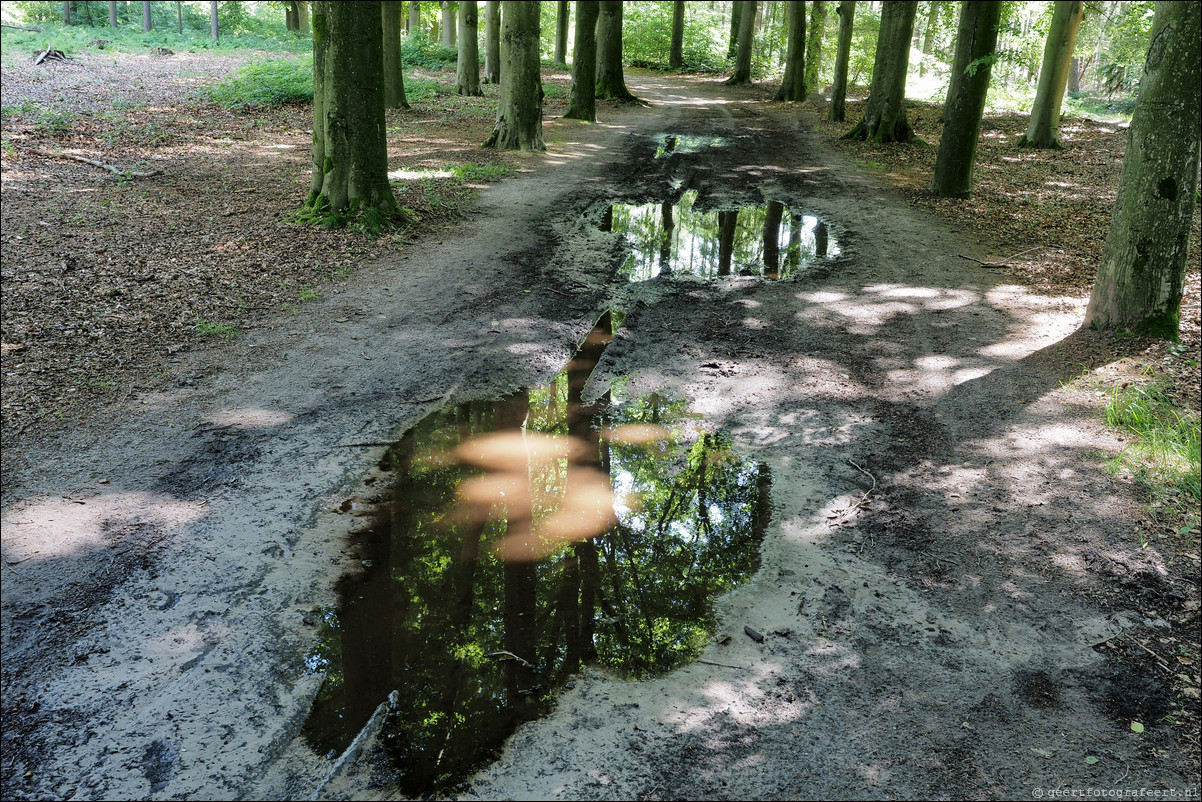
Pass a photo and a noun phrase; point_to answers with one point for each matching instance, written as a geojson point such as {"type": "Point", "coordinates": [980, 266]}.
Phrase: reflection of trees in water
{"type": "Point", "coordinates": [475, 644]}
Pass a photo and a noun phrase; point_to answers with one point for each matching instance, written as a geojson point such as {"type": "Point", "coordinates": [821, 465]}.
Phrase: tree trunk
{"type": "Point", "coordinates": [884, 117]}
{"type": "Point", "coordinates": [467, 72]}
{"type": "Point", "coordinates": [414, 25]}
{"type": "Point", "coordinates": [290, 23]}
{"type": "Point", "coordinates": [302, 15]}
{"type": "Point", "coordinates": [1044, 127]}
{"type": "Point", "coordinates": [742, 72]}
{"type": "Point", "coordinates": [736, 11]}
{"type": "Point", "coordinates": [561, 32]}
{"type": "Point", "coordinates": [932, 18]}
{"type": "Point", "coordinates": [793, 86]}
{"type": "Point", "coordinates": [350, 149]}
{"type": "Point", "coordinates": [146, 21]}
{"type": "Point", "coordinates": [179, 17]}
{"type": "Point", "coordinates": [448, 23]}
{"type": "Point", "coordinates": [394, 76]}
{"type": "Point", "coordinates": [1074, 74]}
{"type": "Point", "coordinates": [112, 13]}
{"type": "Point", "coordinates": [66, 12]}
{"type": "Point", "coordinates": [520, 113]}
{"type": "Point", "coordinates": [1141, 278]}
{"type": "Point", "coordinates": [492, 42]}
{"type": "Point", "coordinates": [213, 27]}
{"type": "Point", "coordinates": [976, 44]}
{"type": "Point", "coordinates": [581, 97]}
{"type": "Point", "coordinates": [728, 222]}
{"type": "Point", "coordinates": [773, 213]}
{"type": "Point", "coordinates": [611, 83]}
{"type": "Point", "coordinates": [676, 51]}
{"type": "Point", "coordinates": [847, 14]}
{"type": "Point", "coordinates": [813, 54]}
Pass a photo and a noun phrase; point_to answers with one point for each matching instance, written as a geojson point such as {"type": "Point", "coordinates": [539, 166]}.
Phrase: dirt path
{"type": "Point", "coordinates": [943, 558]}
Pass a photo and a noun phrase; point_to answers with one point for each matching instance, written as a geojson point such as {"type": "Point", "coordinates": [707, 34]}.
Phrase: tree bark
{"type": "Point", "coordinates": [1141, 279]}
{"type": "Point", "coordinates": [976, 44]}
{"type": "Point", "coordinates": [179, 17]}
{"type": "Point", "coordinates": [394, 76]}
{"type": "Point", "coordinates": [302, 15]}
{"type": "Point", "coordinates": [847, 14]}
{"type": "Point", "coordinates": [884, 117]}
{"type": "Point", "coordinates": [290, 23]}
{"type": "Point", "coordinates": [146, 21]}
{"type": "Point", "coordinates": [736, 11]}
{"type": "Point", "coordinates": [813, 54]}
{"type": "Point", "coordinates": [112, 13]}
{"type": "Point", "coordinates": [676, 50]}
{"type": "Point", "coordinates": [793, 85]}
{"type": "Point", "coordinates": [66, 12]}
{"type": "Point", "coordinates": [350, 149]}
{"type": "Point", "coordinates": [561, 32]}
{"type": "Point", "coordinates": [448, 23]}
{"type": "Point", "coordinates": [492, 42]}
{"type": "Point", "coordinates": [214, 29]}
{"type": "Point", "coordinates": [742, 71]}
{"type": "Point", "coordinates": [581, 97]}
{"type": "Point", "coordinates": [467, 72]}
{"type": "Point", "coordinates": [1044, 127]}
{"type": "Point", "coordinates": [611, 82]}
{"type": "Point", "coordinates": [415, 17]}
{"type": "Point", "coordinates": [520, 113]}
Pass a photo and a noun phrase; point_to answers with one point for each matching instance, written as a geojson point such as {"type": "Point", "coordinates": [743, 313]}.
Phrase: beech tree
{"type": "Point", "coordinates": [581, 96]}
{"type": "Point", "coordinates": [561, 32]}
{"type": "Point", "coordinates": [414, 23]}
{"type": "Point", "coordinates": [146, 21]}
{"type": "Point", "coordinates": [611, 82]}
{"type": "Point", "coordinates": [813, 52]}
{"type": "Point", "coordinates": [847, 13]}
{"type": "Point", "coordinates": [448, 23]}
{"type": "Point", "coordinates": [676, 49]}
{"type": "Point", "coordinates": [492, 42]}
{"type": "Point", "coordinates": [350, 149]}
{"type": "Point", "coordinates": [976, 45]}
{"type": "Point", "coordinates": [1044, 127]}
{"type": "Point", "coordinates": [884, 117]}
{"type": "Point", "coordinates": [1141, 278]}
{"type": "Point", "coordinates": [793, 85]}
{"type": "Point", "coordinates": [520, 112]}
{"type": "Point", "coordinates": [742, 72]}
{"type": "Point", "coordinates": [467, 71]}
{"type": "Point", "coordinates": [394, 77]}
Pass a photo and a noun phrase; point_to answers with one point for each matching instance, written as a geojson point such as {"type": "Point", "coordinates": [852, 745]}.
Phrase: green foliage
{"type": "Point", "coordinates": [647, 36]}
{"type": "Point", "coordinates": [213, 328]}
{"type": "Point", "coordinates": [481, 172]}
{"type": "Point", "coordinates": [417, 50]}
{"type": "Point", "coordinates": [1166, 455]}
{"type": "Point", "coordinates": [264, 84]}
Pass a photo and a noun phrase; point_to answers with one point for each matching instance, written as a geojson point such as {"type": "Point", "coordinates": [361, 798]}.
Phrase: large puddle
{"type": "Point", "coordinates": [524, 538]}
{"type": "Point", "coordinates": [772, 241]}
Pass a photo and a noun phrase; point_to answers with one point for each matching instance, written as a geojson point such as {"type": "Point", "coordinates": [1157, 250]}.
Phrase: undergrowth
{"type": "Point", "coordinates": [265, 84]}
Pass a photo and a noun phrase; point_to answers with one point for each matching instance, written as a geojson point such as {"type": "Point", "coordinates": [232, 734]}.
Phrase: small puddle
{"type": "Point", "coordinates": [771, 241]}
{"type": "Point", "coordinates": [678, 143]}
{"type": "Point", "coordinates": [524, 538]}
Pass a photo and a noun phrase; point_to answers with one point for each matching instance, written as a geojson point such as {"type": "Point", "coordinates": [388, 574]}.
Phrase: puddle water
{"type": "Point", "coordinates": [524, 538]}
{"type": "Point", "coordinates": [770, 241]}
{"type": "Point", "coordinates": [677, 143]}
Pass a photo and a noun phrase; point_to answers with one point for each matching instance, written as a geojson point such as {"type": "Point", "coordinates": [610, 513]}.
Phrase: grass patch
{"type": "Point", "coordinates": [210, 328]}
{"type": "Point", "coordinates": [265, 84]}
{"type": "Point", "coordinates": [481, 172]}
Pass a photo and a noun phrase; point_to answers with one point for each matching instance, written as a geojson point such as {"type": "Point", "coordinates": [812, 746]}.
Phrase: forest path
{"type": "Point", "coordinates": [929, 632]}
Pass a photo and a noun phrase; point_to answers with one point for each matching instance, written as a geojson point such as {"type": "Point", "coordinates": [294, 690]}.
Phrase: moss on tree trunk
{"type": "Point", "coordinates": [611, 82]}
{"type": "Point", "coordinates": [813, 53]}
{"type": "Point", "coordinates": [520, 111]}
{"type": "Point", "coordinates": [394, 77]}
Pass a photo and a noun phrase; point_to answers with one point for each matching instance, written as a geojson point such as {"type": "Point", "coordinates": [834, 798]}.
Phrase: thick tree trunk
{"type": "Point", "coordinates": [1044, 127]}
{"type": "Point", "coordinates": [561, 32]}
{"type": "Point", "coordinates": [581, 97]}
{"type": "Point", "coordinates": [302, 15]}
{"type": "Point", "coordinates": [146, 21]}
{"type": "Point", "coordinates": [847, 14]}
{"type": "Point", "coordinates": [448, 23]}
{"type": "Point", "coordinates": [394, 77]}
{"type": "Point", "coordinates": [976, 42]}
{"type": "Point", "coordinates": [793, 86]}
{"type": "Point", "coordinates": [1142, 275]}
{"type": "Point", "coordinates": [884, 117]}
{"type": "Point", "coordinates": [492, 42]}
{"type": "Point", "coordinates": [813, 59]}
{"type": "Point", "coordinates": [112, 13]}
{"type": "Point", "coordinates": [676, 51]}
{"type": "Point", "coordinates": [290, 23]}
{"type": "Point", "coordinates": [350, 149]}
{"type": "Point", "coordinates": [611, 82]}
{"type": "Point", "coordinates": [742, 71]}
{"type": "Point", "coordinates": [520, 113]}
{"type": "Point", "coordinates": [467, 73]}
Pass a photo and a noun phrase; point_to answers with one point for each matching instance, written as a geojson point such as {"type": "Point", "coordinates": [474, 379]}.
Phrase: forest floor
{"type": "Point", "coordinates": [181, 365]}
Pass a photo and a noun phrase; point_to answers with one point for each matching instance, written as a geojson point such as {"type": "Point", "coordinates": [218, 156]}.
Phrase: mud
{"type": "Point", "coordinates": [944, 563]}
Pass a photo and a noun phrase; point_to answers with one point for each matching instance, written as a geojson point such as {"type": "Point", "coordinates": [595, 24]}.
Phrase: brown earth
{"type": "Point", "coordinates": [989, 612]}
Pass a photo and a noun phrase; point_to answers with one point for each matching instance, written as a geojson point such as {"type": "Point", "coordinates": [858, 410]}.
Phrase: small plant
{"type": "Point", "coordinates": [307, 293]}
{"type": "Point", "coordinates": [213, 328]}
{"type": "Point", "coordinates": [481, 172]}
{"type": "Point", "coordinates": [1165, 458]}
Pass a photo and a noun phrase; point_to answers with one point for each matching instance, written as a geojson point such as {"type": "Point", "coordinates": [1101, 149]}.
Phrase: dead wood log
{"type": "Point", "coordinates": [49, 54]}
{"type": "Point", "coordinates": [114, 170]}
{"type": "Point", "coordinates": [20, 28]}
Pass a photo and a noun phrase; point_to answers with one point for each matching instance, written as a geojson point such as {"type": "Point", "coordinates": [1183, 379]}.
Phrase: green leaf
{"type": "Point", "coordinates": [1091, 760]}
{"type": "Point", "coordinates": [1136, 726]}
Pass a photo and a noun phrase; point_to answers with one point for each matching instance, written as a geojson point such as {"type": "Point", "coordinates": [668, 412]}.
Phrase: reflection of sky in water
{"type": "Point", "coordinates": [771, 241]}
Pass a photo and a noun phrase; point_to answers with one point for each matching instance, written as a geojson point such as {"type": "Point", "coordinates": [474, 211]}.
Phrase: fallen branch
{"type": "Point", "coordinates": [19, 28]}
{"type": "Point", "coordinates": [49, 54]}
{"type": "Point", "coordinates": [983, 264]}
{"type": "Point", "coordinates": [114, 170]}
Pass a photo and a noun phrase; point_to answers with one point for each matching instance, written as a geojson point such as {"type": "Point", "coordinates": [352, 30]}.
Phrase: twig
{"type": "Point", "coordinates": [983, 264]}
{"type": "Point", "coordinates": [114, 170]}
{"type": "Point", "coordinates": [722, 665]}
{"type": "Point", "coordinates": [1160, 662]}
{"type": "Point", "coordinates": [503, 655]}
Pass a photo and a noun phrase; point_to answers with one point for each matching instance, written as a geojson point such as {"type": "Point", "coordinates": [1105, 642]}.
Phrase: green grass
{"type": "Point", "coordinates": [481, 172]}
{"type": "Point", "coordinates": [212, 328]}
{"type": "Point", "coordinates": [265, 84]}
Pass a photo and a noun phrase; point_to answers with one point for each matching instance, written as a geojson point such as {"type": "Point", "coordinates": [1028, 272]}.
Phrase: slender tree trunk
{"type": "Point", "coordinates": [492, 42]}
{"type": "Point", "coordinates": [1142, 276]}
{"type": "Point", "coordinates": [448, 23]}
{"type": "Point", "coordinates": [742, 72]}
{"type": "Point", "coordinates": [813, 55]}
{"type": "Point", "coordinates": [350, 148]}
{"type": "Point", "coordinates": [847, 14]}
{"type": "Point", "coordinates": [146, 21]}
{"type": "Point", "coordinates": [884, 117]}
{"type": "Point", "coordinates": [976, 43]}
{"type": "Point", "coordinates": [467, 73]}
{"type": "Point", "coordinates": [1044, 127]}
{"type": "Point", "coordinates": [394, 76]}
{"type": "Point", "coordinates": [728, 222]}
{"type": "Point", "coordinates": [179, 17]}
{"type": "Point", "coordinates": [772, 217]}
{"type": "Point", "coordinates": [290, 21]}
{"type": "Point", "coordinates": [676, 52]}
{"type": "Point", "coordinates": [927, 36]}
{"type": "Point", "coordinates": [214, 30]}
{"type": "Point", "coordinates": [736, 11]}
{"type": "Point", "coordinates": [112, 13]}
{"type": "Point", "coordinates": [561, 32]}
{"type": "Point", "coordinates": [414, 25]}
{"type": "Point", "coordinates": [520, 112]}
{"type": "Point", "coordinates": [302, 15]}
{"type": "Point", "coordinates": [793, 86]}
{"type": "Point", "coordinates": [611, 82]}
{"type": "Point", "coordinates": [66, 12]}
{"type": "Point", "coordinates": [581, 96]}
